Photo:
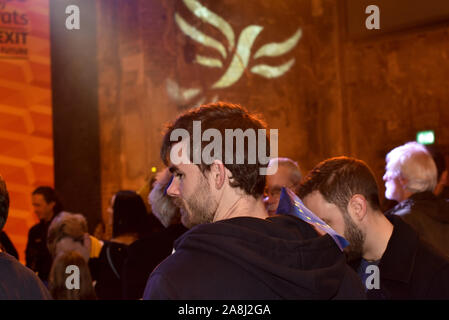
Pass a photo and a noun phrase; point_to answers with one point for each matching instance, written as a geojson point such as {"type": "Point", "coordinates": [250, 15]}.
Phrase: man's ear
{"type": "Point", "coordinates": [357, 207]}
{"type": "Point", "coordinates": [403, 181]}
{"type": "Point", "coordinates": [218, 174]}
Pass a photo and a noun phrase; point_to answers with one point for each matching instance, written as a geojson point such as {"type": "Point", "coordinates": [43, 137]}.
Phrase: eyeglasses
{"type": "Point", "coordinates": [273, 192]}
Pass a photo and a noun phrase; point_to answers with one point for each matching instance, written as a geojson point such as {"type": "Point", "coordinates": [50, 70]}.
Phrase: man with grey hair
{"type": "Point", "coordinates": [287, 175]}
{"type": "Point", "coordinates": [68, 232]}
{"type": "Point", "coordinates": [410, 178]}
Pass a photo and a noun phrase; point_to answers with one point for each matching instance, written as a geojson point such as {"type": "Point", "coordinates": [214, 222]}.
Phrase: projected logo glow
{"type": "Point", "coordinates": [241, 52]}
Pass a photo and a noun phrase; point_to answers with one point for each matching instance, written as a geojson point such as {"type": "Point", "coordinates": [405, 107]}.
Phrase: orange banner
{"type": "Point", "coordinates": [26, 138]}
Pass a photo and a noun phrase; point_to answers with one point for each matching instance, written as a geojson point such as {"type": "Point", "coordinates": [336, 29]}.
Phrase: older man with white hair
{"type": "Point", "coordinates": [410, 178]}
{"type": "Point", "coordinates": [287, 175]}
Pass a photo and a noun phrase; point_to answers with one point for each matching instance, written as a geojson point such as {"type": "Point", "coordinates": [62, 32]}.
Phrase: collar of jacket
{"type": "Point", "coordinates": [410, 201]}
{"type": "Point", "coordinates": [426, 195]}
{"type": "Point", "coordinates": [428, 204]}
{"type": "Point", "coordinates": [398, 260]}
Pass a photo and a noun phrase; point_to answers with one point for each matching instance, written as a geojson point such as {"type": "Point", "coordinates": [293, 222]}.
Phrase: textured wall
{"type": "Point", "coordinates": [394, 86]}
{"type": "Point", "coordinates": [340, 96]}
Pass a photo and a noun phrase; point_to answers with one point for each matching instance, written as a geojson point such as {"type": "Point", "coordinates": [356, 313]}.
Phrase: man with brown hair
{"type": "Point", "coordinates": [391, 259]}
{"type": "Point", "coordinates": [16, 281]}
{"type": "Point", "coordinates": [232, 250]}
{"type": "Point", "coordinates": [46, 206]}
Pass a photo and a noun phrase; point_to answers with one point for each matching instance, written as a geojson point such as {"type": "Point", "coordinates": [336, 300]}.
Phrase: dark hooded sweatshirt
{"type": "Point", "coordinates": [281, 257]}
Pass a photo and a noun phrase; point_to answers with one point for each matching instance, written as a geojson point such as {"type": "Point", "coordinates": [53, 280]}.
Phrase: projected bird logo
{"type": "Point", "coordinates": [241, 53]}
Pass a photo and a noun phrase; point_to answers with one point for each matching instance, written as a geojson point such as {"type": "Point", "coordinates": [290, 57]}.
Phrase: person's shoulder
{"type": "Point", "coordinates": [433, 265]}
{"type": "Point", "coordinates": [10, 265]}
{"type": "Point", "coordinates": [159, 287]}
{"type": "Point", "coordinates": [430, 255]}
{"type": "Point", "coordinates": [35, 228]}
{"type": "Point", "coordinates": [25, 283]}
{"type": "Point", "coordinates": [113, 250]}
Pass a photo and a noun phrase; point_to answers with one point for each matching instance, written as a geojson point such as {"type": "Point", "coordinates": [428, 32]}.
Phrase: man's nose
{"type": "Point", "coordinates": [173, 188]}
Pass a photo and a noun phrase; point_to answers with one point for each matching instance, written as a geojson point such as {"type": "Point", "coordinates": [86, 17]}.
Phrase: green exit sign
{"type": "Point", "coordinates": [425, 137]}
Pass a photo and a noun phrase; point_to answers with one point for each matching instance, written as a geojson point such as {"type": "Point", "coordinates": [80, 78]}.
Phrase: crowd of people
{"type": "Point", "coordinates": [216, 230]}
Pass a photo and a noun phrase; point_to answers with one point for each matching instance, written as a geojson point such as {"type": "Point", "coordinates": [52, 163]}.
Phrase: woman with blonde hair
{"type": "Point", "coordinates": [61, 286]}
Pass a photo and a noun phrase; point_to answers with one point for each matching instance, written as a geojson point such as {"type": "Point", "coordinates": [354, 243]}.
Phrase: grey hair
{"type": "Point", "coordinates": [414, 163]}
{"type": "Point", "coordinates": [65, 224]}
{"type": "Point", "coordinates": [162, 205]}
{"type": "Point", "coordinates": [295, 174]}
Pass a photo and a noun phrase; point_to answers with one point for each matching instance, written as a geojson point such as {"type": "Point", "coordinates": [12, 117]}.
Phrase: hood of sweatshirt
{"type": "Point", "coordinates": [283, 252]}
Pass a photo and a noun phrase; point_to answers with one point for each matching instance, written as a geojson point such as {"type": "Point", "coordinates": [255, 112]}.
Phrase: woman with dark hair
{"type": "Point", "coordinates": [129, 220]}
{"type": "Point", "coordinates": [129, 217]}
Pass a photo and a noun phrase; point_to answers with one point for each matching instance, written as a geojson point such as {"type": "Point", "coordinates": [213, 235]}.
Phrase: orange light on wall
{"type": "Point", "coordinates": [26, 138]}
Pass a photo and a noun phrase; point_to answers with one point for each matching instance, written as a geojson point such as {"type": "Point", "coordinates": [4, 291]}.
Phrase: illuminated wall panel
{"type": "Point", "coordinates": [26, 141]}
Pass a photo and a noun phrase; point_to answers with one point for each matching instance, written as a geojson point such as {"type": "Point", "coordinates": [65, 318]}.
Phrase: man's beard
{"type": "Point", "coordinates": [199, 208]}
{"type": "Point", "coordinates": [355, 237]}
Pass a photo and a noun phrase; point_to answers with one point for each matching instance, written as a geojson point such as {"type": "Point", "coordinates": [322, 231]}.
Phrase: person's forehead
{"type": "Point", "coordinates": [280, 178]}
{"type": "Point", "coordinates": [179, 154]}
{"type": "Point", "coordinates": [182, 161]}
{"type": "Point", "coordinates": [316, 199]}
{"type": "Point", "coordinates": [38, 198]}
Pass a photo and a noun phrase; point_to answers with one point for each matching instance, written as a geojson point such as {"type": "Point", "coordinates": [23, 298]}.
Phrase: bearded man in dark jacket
{"type": "Point", "coordinates": [391, 258]}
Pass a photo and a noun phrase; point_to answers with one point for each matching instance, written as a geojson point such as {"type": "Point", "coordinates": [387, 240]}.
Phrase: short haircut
{"type": "Point", "coordinates": [64, 225]}
{"type": "Point", "coordinates": [49, 195]}
{"type": "Point", "coordinates": [222, 116]}
{"type": "Point", "coordinates": [339, 179]}
{"type": "Point", "coordinates": [129, 214]}
{"type": "Point", "coordinates": [4, 203]}
{"type": "Point", "coordinates": [295, 174]}
{"type": "Point", "coordinates": [438, 158]}
{"type": "Point", "coordinates": [413, 162]}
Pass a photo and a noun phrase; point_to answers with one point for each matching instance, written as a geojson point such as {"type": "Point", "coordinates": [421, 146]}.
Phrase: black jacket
{"type": "Point", "coordinates": [37, 256]}
{"type": "Point", "coordinates": [281, 257]}
{"type": "Point", "coordinates": [17, 282]}
{"type": "Point", "coordinates": [144, 255]}
{"type": "Point", "coordinates": [411, 268]}
{"type": "Point", "coordinates": [107, 269]}
{"type": "Point", "coordinates": [429, 216]}
{"type": "Point", "coordinates": [7, 245]}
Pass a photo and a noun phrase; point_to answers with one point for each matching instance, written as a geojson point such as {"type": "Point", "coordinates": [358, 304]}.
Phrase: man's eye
{"type": "Point", "coordinates": [179, 175]}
